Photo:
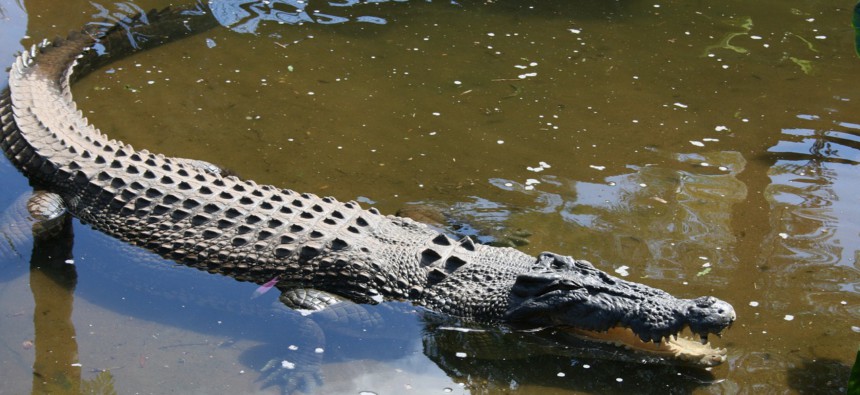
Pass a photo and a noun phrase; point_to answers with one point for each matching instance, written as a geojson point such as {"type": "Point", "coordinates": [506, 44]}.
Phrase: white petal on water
{"type": "Point", "coordinates": [697, 143]}
{"type": "Point", "coordinates": [789, 317]}
{"type": "Point", "coordinates": [596, 167]}
{"type": "Point", "coordinates": [680, 105]}
{"type": "Point", "coordinates": [461, 354]}
{"type": "Point", "coordinates": [753, 303]}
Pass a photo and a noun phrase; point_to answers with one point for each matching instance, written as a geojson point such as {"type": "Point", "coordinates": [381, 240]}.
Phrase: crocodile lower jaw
{"type": "Point", "coordinates": [673, 349]}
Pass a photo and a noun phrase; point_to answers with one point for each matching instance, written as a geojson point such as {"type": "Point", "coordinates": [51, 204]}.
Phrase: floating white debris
{"type": "Point", "coordinates": [575, 31]}
{"type": "Point", "coordinates": [680, 105]}
{"type": "Point", "coordinates": [288, 365]}
{"type": "Point", "coordinates": [319, 350]}
{"type": "Point", "coordinates": [706, 264]}
{"type": "Point", "coordinates": [619, 379]}
{"type": "Point", "coordinates": [622, 271]}
{"type": "Point", "coordinates": [210, 43]}
{"type": "Point", "coordinates": [69, 261]}
{"type": "Point", "coordinates": [77, 364]}
{"type": "Point", "coordinates": [509, 184]}
{"type": "Point", "coordinates": [491, 34]}
{"type": "Point", "coordinates": [596, 167]}
{"type": "Point", "coordinates": [710, 139]}
{"type": "Point", "coordinates": [753, 303]}
{"type": "Point", "coordinates": [697, 143]}
{"type": "Point", "coordinates": [789, 317]}
{"type": "Point", "coordinates": [783, 235]}
{"type": "Point", "coordinates": [520, 66]}
{"type": "Point", "coordinates": [820, 37]}
{"type": "Point", "coordinates": [436, 114]}
{"type": "Point", "coordinates": [704, 164]}
{"type": "Point", "coordinates": [721, 128]}
{"type": "Point", "coordinates": [586, 366]}
{"type": "Point", "coordinates": [754, 37]}
{"type": "Point", "coordinates": [500, 141]}
{"type": "Point", "coordinates": [293, 347]}
{"type": "Point", "coordinates": [461, 355]}
{"type": "Point", "coordinates": [560, 374]}
{"type": "Point", "coordinates": [533, 64]}
{"type": "Point", "coordinates": [643, 185]}
{"type": "Point", "coordinates": [457, 82]}
{"type": "Point", "coordinates": [540, 167]}
{"type": "Point", "coordinates": [855, 329]}
{"type": "Point", "coordinates": [723, 168]}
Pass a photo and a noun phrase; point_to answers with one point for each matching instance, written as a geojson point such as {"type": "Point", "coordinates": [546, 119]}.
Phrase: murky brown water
{"type": "Point", "coordinates": [700, 147]}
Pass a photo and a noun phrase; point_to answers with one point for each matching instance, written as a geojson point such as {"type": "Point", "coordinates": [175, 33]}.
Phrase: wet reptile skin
{"type": "Point", "coordinates": [256, 232]}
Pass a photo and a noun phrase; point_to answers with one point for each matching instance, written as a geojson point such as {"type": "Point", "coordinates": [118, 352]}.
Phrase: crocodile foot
{"type": "Point", "coordinates": [293, 376]}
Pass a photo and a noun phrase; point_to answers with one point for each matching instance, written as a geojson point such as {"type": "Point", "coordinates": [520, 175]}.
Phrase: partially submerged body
{"type": "Point", "coordinates": [321, 251]}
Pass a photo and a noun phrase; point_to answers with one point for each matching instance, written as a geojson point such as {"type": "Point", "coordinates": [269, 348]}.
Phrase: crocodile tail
{"type": "Point", "coordinates": [50, 67]}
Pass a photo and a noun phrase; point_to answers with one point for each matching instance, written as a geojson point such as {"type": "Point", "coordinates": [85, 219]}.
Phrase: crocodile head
{"type": "Point", "coordinates": [574, 296]}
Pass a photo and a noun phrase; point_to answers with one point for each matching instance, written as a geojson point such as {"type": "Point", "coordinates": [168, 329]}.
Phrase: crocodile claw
{"type": "Point", "coordinates": [293, 378]}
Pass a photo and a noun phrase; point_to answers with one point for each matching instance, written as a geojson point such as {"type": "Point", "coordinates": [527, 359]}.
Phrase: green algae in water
{"type": "Point", "coordinates": [726, 42]}
{"type": "Point", "coordinates": [804, 64]}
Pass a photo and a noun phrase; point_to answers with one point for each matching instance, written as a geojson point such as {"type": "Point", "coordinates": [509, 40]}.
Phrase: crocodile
{"type": "Point", "coordinates": [320, 250]}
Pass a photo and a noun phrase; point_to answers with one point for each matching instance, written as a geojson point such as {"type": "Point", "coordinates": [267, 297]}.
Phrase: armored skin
{"type": "Point", "coordinates": [223, 224]}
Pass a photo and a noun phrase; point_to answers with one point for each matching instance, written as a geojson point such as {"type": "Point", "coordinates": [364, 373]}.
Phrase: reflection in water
{"type": "Point", "coordinates": [657, 216]}
{"type": "Point", "coordinates": [245, 16]}
{"type": "Point", "coordinates": [56, 369]}
{"type": "Point", "coordinates": [813, 181]}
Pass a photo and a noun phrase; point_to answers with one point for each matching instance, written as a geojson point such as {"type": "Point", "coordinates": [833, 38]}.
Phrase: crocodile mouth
{"type": "Point", "coordinates": [675, 348]}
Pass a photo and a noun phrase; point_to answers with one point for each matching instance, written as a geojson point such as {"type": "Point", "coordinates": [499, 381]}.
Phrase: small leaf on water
{"type": "Point", "coordinates": [703, 272]}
